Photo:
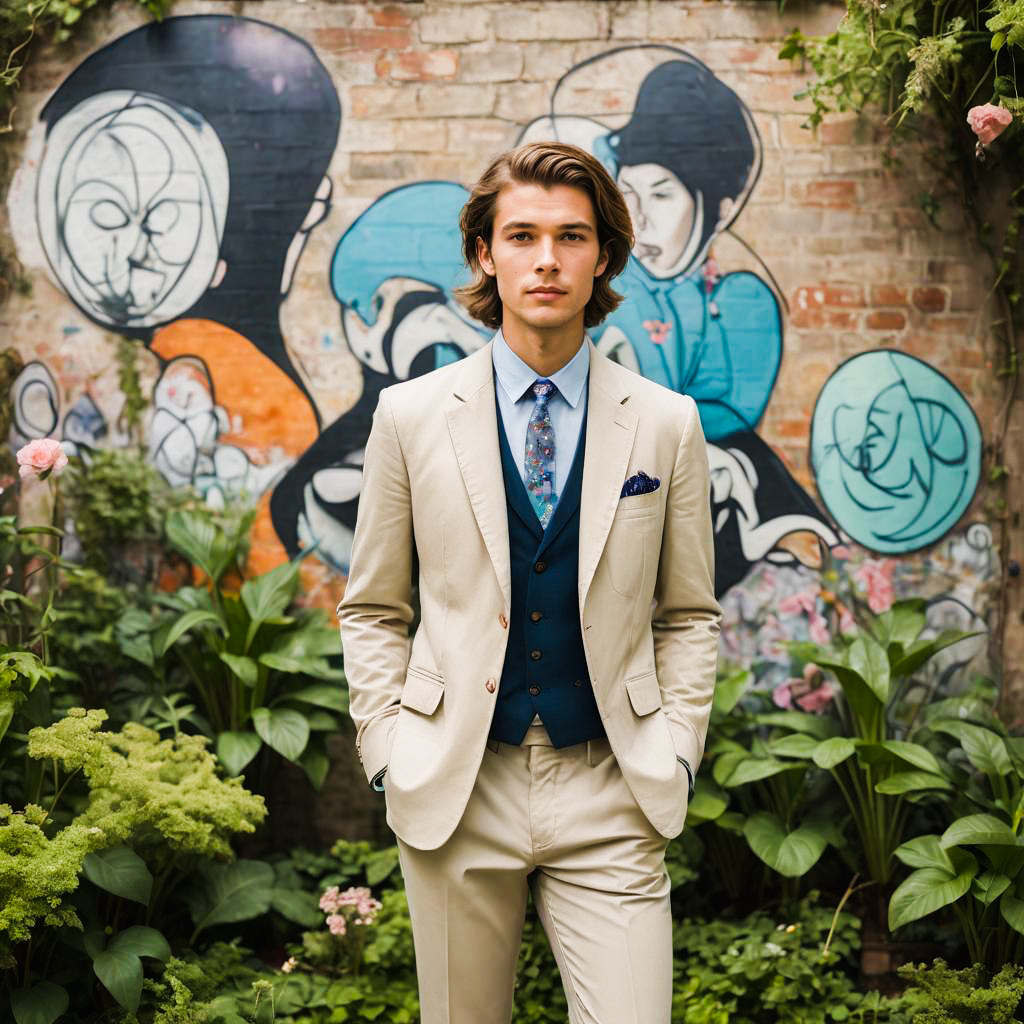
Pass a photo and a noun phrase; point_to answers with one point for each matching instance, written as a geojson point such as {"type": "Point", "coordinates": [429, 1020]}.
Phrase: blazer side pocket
{"type": "Point", "coordinates": [644, 694]}
{"type": "Point", "coordinates": [422, 691]}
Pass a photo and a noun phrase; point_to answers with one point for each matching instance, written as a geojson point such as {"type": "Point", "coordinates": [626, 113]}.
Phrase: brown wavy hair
{"type": "Point", "coordinates": [546, 164]}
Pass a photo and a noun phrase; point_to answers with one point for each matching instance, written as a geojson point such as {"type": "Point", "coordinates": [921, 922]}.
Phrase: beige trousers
{"type": "Point", "coordinates": [564, 823]}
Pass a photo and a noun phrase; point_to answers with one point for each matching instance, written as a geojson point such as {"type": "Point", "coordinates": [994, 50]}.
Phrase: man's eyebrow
{"type": "Point", "coordinates": [520, 225]}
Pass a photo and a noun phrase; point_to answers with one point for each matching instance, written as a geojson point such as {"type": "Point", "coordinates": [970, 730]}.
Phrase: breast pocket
{"type": "Point", "coordinates": [631, 542]}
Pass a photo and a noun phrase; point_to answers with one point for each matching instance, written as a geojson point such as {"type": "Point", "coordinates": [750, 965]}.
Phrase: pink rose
{"type": "Point", "coordinates": [41, 458]}
{"type": "Point", "coordinates": [988, 122]}
{"type": "Point", "coordinates": [810, 691]}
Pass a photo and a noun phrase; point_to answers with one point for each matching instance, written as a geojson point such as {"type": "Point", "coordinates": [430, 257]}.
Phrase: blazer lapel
{"type": "Point", "coordinates": [611, 428]}
{"type": "Point", "coordinates": [473, 425]}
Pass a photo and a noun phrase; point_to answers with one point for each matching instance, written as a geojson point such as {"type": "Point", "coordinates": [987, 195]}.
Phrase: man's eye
{"type": "Point", "coordinates": [520, 236]}
{"type": "Point", "coordinates": [573, 236]}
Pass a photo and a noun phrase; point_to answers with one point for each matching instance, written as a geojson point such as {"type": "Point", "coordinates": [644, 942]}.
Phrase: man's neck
{"type": "Point", "coordinates": [545, 352]}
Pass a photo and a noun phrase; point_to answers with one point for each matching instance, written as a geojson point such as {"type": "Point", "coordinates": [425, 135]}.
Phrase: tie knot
{"type": "Point", "coordinates": [543, 389]}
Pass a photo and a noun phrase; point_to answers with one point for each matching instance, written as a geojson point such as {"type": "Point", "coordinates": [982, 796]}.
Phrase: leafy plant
{"type": "Point", "coordinates": [967, 996]}
{"type": "Point", "coordinates": [259, 673]}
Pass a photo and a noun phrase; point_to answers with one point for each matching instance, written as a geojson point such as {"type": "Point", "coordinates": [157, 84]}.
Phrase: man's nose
{"type": "Point", "coordinates": [547, 257]}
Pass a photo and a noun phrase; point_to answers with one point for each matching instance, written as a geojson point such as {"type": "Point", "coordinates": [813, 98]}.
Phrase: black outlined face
{"type": "Point", "coordinates": [131, 199]}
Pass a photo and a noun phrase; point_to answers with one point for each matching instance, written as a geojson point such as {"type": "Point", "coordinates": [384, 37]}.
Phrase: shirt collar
{"type": "Point", "coordinates": [515, 377]}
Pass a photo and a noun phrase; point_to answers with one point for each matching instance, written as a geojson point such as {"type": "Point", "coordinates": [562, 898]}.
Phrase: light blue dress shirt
{"type": "Point", "coordinates": [515, 402]}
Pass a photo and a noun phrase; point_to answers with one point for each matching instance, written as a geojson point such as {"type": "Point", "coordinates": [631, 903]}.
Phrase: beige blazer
{"type": "Point", "coordinates": [433, 485]}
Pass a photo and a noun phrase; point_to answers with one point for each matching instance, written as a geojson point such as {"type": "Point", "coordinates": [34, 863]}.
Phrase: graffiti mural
{"type": "Point", "coordinates": [173, 209]}
{"type": "Point", "coordinates": [896, 451]}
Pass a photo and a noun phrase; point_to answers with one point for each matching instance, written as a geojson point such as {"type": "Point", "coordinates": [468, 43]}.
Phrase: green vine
{"type": "Point", "coordinates": [130, 383]}
{"type": "Point", "coordinates": [22, 22]}
{"type": "Point", "coordinates": [927, 64]}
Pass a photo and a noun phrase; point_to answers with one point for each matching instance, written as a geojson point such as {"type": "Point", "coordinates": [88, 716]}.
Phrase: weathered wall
{"type": "Point", "coordinates": [267, 208]}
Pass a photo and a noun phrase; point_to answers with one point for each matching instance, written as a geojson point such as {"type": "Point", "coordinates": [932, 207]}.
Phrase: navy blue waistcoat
{"type": "Point", "coordinates": [545, 671]}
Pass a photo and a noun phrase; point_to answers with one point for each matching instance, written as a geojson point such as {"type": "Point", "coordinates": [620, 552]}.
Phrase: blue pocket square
{"type": "Point", "coordinates": [640, 483]}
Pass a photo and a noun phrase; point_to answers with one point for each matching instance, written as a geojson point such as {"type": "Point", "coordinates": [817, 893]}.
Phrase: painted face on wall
{"type": "Point", "coordinates": [132, 196]}
{"type": "Point", "coordinates": [664, 214]}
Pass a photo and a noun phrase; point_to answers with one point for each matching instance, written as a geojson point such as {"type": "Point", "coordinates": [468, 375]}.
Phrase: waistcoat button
{"type": "Point", "coordinates": [536, 616]}
{"type": "Point", "coordinates": [536, 655]}
{"type": "Point", "coordinates": [534, 690]}
{"type": "Point", "coordinates": [540, 566]}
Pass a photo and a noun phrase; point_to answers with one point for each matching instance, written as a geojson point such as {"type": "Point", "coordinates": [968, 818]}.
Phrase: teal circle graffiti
{"type": "Point", "coordinates": [895, 451]}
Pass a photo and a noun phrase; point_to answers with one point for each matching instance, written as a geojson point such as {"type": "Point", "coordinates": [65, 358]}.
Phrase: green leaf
{"type": "Point", "coordinates": [928, 890]}
{"type": "Point", "coordinates": [283, 730]}
{"type": "Point", "coordinates": [833, 752]}
{"type": "Point", "coordinates": [381, 865]}
{"type": "Point", "coordinates": [731, 821]}
{"type": "Point", "coordinates": [924, 852]}
{"type": "Point", "coordinates": [790, 854]}
{"type": "Point", "coordinates": [862, 699]}
{"type": "Point", "coordinates": [998, 41]}
{"type": "Point", "coordinates": [227, 893]}
{"type": "Point", "coordinates": [820, 726]}
{"type": "Point", "coordinates": [795, 745]}
{"type": "Point", "coordinates": [1012, 910]}
{"type": "Point", "coordinates": [728, 691]}
{"type": "Point", "coordinates": [297, 905]}
{"type": "Point", "coordinates": [985, 750]}
{"type": "Point", "coordinates": [43, 1003]}
{"type": "Point", "coordinates": [753, 769]}
{"type": "Point", "coordinates": [121, 974]}
{"type": "Point", "coordinates": [7, 706]}
{"type": "Point", "coordinates": [317, 667]}
{"type": "Point", "coordinates": [315, 762]}
{"type": "Point", "coordinates": [269, 595]}
{"type": "Point", "coordinates": [708, 803]}
{"type": "Point", "coordinates": [141, 941]}
{"type": "Point", "coordinates": [911, 782]}
{"type": "Point", "coordinates": [188, 621]}
{"type": "Point", "coordinates": [322, 695]}
{"type": "Point", "coordinates": [868, 659]}
{"type": "Point", "coordinates": [119, 870]}
{"type": "Point", "coordinates": [915, 754]}
{"type": "Point", "coordinates": [924, 650]}
{"type": "Point", "coordinates": [244, 668]}
{"type": "Point", "coordinates": [202, 543]}
{"type": "Point", "coordinates": [979, 830]}
{"type": "Point", "coordinates": [236, 749]}
{"type": "Point", "coordinates": [902, 623]}
{"type": "Point", "coordinates": [988, 887]}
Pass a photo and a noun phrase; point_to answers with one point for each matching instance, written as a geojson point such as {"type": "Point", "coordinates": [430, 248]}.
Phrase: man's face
{"type": "Point", "coordinates": [544, 255]}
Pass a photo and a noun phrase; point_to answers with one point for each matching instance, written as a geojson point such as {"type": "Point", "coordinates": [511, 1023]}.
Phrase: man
{"type": "Point", "coordinates": [542, 730]}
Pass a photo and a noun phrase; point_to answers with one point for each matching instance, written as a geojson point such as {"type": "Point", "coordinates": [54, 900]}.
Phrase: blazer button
{"type": "Point", "coordinates": [490, 686]}
{"type": "Point", "coordinates": [534, 690]}
{"type": "Point", "coordinates": [536, 655]}
{"type": "Point", "coordinates": [540, 566]}
{"type": "Point", "coordinates": [536, 616]}
{"type": "Point", "coordinates": [503, 619]}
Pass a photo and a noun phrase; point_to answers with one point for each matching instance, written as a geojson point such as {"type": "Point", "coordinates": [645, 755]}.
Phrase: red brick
{"type": "Point", "coordinates": [886, 320]}
{"type": "Point", "coordinates": [951, 325]}
{"type": "Point", "coordinates": [930, 299]}
{"type": "Point", "coordinates": [968, 355]}
{"type": "Point", "coordinates": [391, 17]}
{"type": "Point", "coordinates": [888, 295]}
{"type": "Point", "coordinates": [840, 194]}
{"type": "Point", "coordinates": [333, 39]}
{"type": "Point", "coordinates": [842, 319]}
{"type": "Point", "coordinates": [418, 66]}
{"type": "Point", "coordinates": [844, 295]}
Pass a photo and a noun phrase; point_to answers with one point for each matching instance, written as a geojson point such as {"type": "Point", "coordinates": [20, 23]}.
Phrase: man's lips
{"type": "Point", "coordinates": [546, 292]}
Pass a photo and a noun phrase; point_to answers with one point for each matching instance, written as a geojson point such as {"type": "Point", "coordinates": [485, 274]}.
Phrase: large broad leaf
{"type": "Point", "coordinates": [988, 887]}
{"type": "Point", "coordinates": [245, 668]}
{"type": "Point", "coordinates": [141, 941]}
{"type": "Point", "coordinates": [319, 668]}
{"type": "Point", "coordinates": [915, 754]}
{"type": "Point", "coordinates": [119, 870]}
{"type": "Point", "coordinates": [868, 659]}
{"type": "Point", "coordinates": [1012, 910]}
{"type": "Point", "coordinates": [236, 749]}
{"type": "Point", "coordinates": [791, 854]}
{"type": "Point", "coordinates": [227, 893]}
{"type": "Point", "coordinates": [297, 905]}
{"type": "Point", "coordinates": [708, 803]}
{"type": "Point", "coordinates": [314, 638]}
{"type": "Point", "coordinates": [985, 750]}
{"type": "Point", "coordinates": [924, 852]}
{"type": "Point", "coordinates": [315, 762]}
{"type": "Point", "coordinates": [795, 745]}
{"type": "Point", "coordinates": [979, 830]}
{"type": "Point", "coordinates": [902, 623]}
{"type": "Point", "coordinates": [323, 695]}
{"type": "Point", "coordinates": [133, 634]}
{"type": "Point", "coordinates": [862, 699]}
{"type": "Point", "coordinates": [7, 705]}
{"type": "Point", "coordinates": [911, 782]}
{"type": "Point", "coordinates": [283, 730]}
{"type": "Point", "coordinates": [381, 865]}
{"type": "Point", "coordinates": [924, 650]}
{"type": "Point", "coordinates": [728, 691]}
{"type": "Point", "coordinates": [753, 769]}
{"type": "Point", "coordinates": [201, 542]}
{"type": "Point", "coordinates": [187, 621]}
{"type": "Point", "coordinates": [269, 595]}
{"type": "Point", "coordinates": [121, 974]}
{"type": "Point", "coordinates": [832, 752]}
{"type": "Point", "coordinates": [928, 890]}
{"type": "Point", "coordinates": [44, 1003]}
{"type": "Point", "coordinates": [821, 726]}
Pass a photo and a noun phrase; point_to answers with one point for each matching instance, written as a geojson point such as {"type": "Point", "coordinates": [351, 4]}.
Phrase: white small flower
{"type": "Point", "coordinates": [774, 949]}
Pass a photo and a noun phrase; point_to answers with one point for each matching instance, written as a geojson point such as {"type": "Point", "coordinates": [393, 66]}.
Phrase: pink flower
{"type": "Point", "coordinates": [809, 691]}
{"type": "Point", "coordinates": [336, 924]}
{"type": "Point", "coordinates": [41, 458]}
{"type": "Point", "coordinates": [988, 122]}
{"type": "Point", "coordinates": [817, 629]}
{"type": "Point", "coordinates": [289, 965]}
{"type": "Point", "coordinates": [875, 575]}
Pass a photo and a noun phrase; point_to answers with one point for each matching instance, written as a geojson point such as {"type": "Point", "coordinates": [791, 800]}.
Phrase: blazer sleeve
{"type": "Point", "coordinates": [686, 619]}
{"type": "Point", "coordinates": [376, 610]}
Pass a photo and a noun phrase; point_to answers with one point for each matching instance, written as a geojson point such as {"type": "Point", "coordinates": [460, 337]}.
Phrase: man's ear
{"type": "Point", "coordinates": [602, 263]}
{"type": "Point", "coordinates": [483, 255]}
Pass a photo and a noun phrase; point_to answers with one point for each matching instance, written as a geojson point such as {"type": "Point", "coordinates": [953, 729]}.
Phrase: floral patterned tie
{"type": "Point", "coordinates": [540, 454]}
